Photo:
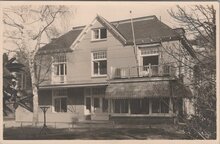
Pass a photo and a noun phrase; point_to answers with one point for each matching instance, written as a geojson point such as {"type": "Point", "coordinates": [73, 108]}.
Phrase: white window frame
{"type": "Point", "coordinates": [98, 61]}
{"type": "Point", "coordinates": [58, 97]}
{"type": "Point", "coordinates": [99, 34]}
{"type": "Point", "coordinates": [54, 68]}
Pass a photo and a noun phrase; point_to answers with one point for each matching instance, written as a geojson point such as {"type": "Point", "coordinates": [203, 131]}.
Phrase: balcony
{"type": "Point", "coordinates": [56, 79]}
{"type": "Point", "coordinates": [142, 71]}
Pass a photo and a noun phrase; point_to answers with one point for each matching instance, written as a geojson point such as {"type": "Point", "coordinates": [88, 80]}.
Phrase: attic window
{"type": "Point", "coordinates": [98, 34]}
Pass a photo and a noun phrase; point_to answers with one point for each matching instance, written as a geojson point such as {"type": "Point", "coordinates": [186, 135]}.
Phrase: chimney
{"type": "Point", "coordinates": [180, 31]}
{"type": "Point", "coordinates": [53, 39]}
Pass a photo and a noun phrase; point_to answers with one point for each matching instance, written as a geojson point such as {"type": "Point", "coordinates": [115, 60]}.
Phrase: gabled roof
{"type": "Point", "coordinates": [63, 43]}
{"type": "Point", "coordinates": [146, 29]}
{"type": "Point", "coordinates": [112, 29]}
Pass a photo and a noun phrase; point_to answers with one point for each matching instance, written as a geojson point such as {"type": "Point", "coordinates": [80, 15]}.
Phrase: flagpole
{"type": "Point", "coordinates": [134, 42]}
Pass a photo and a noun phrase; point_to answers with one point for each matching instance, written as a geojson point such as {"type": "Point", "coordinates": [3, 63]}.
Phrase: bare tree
{"type": "Point", "coordinates": [199, 21]}
{"type": "Point", "coordinates": [26, 27]}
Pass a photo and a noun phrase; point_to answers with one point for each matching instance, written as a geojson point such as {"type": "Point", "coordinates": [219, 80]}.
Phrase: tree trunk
{"type": "Point", "coordinates": [35, 94]}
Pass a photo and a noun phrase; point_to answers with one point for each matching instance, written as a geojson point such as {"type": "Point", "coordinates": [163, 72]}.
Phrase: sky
{"type": "Point", "coordinates": [83, 14]}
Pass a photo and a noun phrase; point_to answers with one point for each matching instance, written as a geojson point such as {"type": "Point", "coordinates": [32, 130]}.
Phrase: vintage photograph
{"type": "Point", "coordinates": [116, 71]}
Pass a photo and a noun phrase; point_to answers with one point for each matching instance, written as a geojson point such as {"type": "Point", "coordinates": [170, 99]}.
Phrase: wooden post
{"type": "Point", "coordinates": [129, 72]}
{"type": "Point", "coordinates": [170, 106]}
{"type": "Point", "coordinates": [150, 107]}
{"type": "Point", "coordinates": [129, 106]}
{"type": "Point", "coordinates": [112, 73]}
{"type": "Point", "coordinates": [150, 70]}
{"type": "Point", "coordinates": [112, 106]}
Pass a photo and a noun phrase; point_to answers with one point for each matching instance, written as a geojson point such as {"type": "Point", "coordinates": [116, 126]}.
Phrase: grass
{"type": "Point", "coordinates": [32, 133]}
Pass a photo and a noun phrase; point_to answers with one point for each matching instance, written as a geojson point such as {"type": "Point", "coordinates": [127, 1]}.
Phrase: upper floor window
{"type": "Point", "coordinates": [149, 60]}
{"type": "Point", "coordinates": [59, 64]}
{"type": "Point", "coordinates": [99, 63]}
{"type": "Point", "coordinates": [98, 34]}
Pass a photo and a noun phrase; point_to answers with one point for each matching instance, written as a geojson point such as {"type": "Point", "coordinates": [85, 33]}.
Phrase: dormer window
{"type": "Point", "coordinates": [99, 34]}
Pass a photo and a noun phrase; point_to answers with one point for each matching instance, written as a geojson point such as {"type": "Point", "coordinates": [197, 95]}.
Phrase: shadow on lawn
{"type": "Point", "coordinates": [30, 133]}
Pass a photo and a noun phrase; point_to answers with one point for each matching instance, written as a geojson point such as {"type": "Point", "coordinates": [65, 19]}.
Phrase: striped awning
{"type": "Point", "coordinates": [145, 89]}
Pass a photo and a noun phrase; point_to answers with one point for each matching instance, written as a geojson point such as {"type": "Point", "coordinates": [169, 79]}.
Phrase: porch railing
{"type": "Point", "coordinates": [142, 71]}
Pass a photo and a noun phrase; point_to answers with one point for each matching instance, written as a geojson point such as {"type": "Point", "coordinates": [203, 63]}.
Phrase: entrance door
{"type": "Point", "coordinates": [97, 103]}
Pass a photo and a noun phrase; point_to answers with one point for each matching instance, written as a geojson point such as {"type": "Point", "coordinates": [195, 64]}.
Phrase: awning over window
{"type": "Point", "coordinates": [146, 89]}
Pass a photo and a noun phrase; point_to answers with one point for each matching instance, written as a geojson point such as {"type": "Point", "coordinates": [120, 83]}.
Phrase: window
{"type": "Point", "coordinates": [153, 60]}
{"type": "Point", "coordinates": [160, 105]}
{"type": "Point", "coordinates": [60, 105]}
{"type": "Point", "coordinates": [120, 105]}
{"type": "Point", "coordinates": [139, 106]}
{"type": "Point", "coordinates": [98, 34]}
{"type": "Point", "coordinates": [149, 51]}
{"type": "Point", "coordinates": [99, 63]}
{"type": "Point", "coordinates": [60, 100]}
{"type": "Point", "coordinates": [149, 56]}
{"type": "Point", "coordinates": [59, 64]}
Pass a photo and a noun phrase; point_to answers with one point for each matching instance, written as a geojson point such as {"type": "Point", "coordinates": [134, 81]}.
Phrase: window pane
{"type": "Point", "coordinates": [63, 104]}
{"type": "Point", "coordinates": [103, 33]}
{"type": "Point", "coordinates": [153, 60]}
{"type": "Point", "coordinates": [57, 69]}
{"type": "Point", "coordinates": [96, 34]}
{"type": "Point", "coordinates": [99, 55]}
{"type": "Point", "coordinates": [135, 106]}
{"type": "Point", "coordinates": [155, 106]}
{"type": "Point", "coordinates": [124, 106]}
{"type": "Point", "coordinates": [96, 103]}
{"type": "Point", "coordinates": [61, 69]}
{"type": "Point", "coordinates": [145, 106]}
{"type": "Point", "coordinates": [95, 67]}
{"type": "Point", "coordinates": [116, 106]}
{"type": "Point", "coordinates": [104, 105]}
{"type": "Point", "coordinates": [57, 105]}
{"type": "Point", "coordinates": [147, 50]}
{"type": "Point", "coordinates": [103, 67]}
{"type": "Point", "coordinates": [164, 105]}
{"type": "Point", "coordinates": [121, 106]}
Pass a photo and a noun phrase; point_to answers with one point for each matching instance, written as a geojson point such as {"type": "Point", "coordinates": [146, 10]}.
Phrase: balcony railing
{"type": "Point", "coordinates": [58, 78]}
{"type": "Point", "coordinates": [142, 71]}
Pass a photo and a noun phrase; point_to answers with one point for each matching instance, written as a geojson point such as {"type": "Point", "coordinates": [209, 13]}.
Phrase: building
{"type": "Point", "coordinates": [98, 72]}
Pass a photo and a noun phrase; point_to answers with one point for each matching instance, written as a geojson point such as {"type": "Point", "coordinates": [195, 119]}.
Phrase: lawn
{"type": "Point", "coordinates": [93, 133]}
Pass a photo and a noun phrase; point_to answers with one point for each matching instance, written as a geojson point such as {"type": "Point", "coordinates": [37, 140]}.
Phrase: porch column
{"type": "Point", "coordinates": [129, 106]}
{"type": "Point", "coordinates": [92, 105]}
{"type": "Point", "coordinates": [150, 107]}
{"type": "Point", "coordinates": [109, 105]}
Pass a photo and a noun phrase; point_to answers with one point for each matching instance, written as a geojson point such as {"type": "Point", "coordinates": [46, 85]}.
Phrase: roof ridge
{"type": "Point", "coordinates": [121, 21]}
{"type": "Point", "coordinates": [135, 19]}
{"type": "Point", "coordinates": [78, 27]}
